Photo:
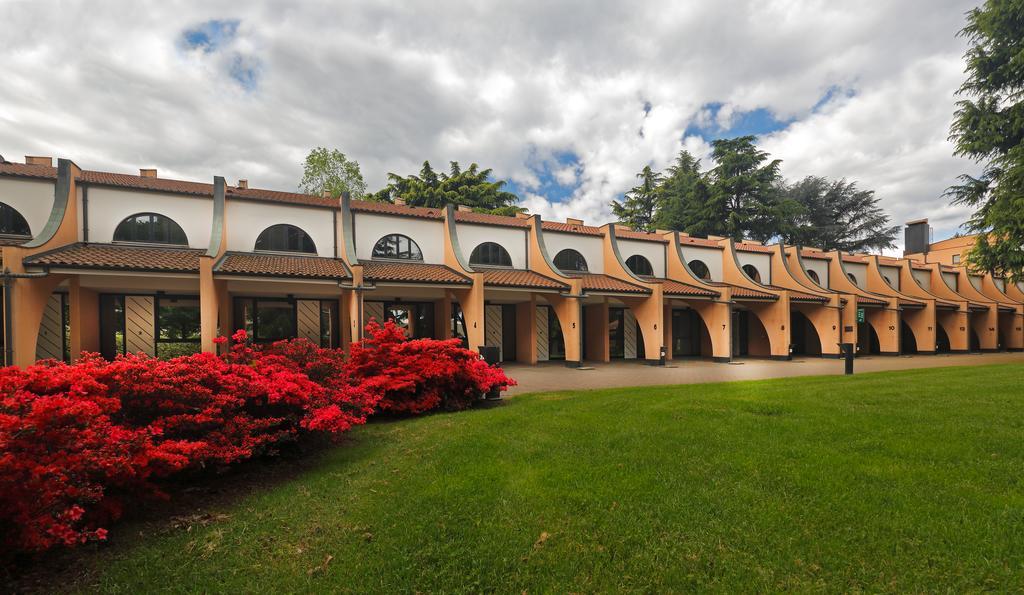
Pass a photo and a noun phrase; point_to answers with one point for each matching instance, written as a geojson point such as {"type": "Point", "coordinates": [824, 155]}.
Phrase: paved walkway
{"type": "Point", "coordinates": [552, 376]}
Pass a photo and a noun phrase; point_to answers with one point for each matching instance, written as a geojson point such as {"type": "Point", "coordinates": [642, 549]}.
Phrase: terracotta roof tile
{"type": "Point", "coordinates": [909, 303]}
{"type": "Point", "coordinates": [801, 296]}
{"type": "Point", "coordinates": [285, 197]}
{"type": "Point", "coordinates": [604, 283]}
{"type": "Point", "coordinates": [817, 254]}
{"type": "Point", "coordinates": [489, 219]}
{"type": "Point", "coordinates": [745, 293]}
{"type": "Point", "coordinates": [411, 272]}
{"type": "Point", "coordinates": [103, 178]}
{"type": "Point", "coordinates": [749, 247]}
{"type": "Point", "coordinates": [520, 278]}
{"type": "Point", "coordinates": [643, 236]}
{"type": "Point", "coordinates": [13, 240]}
{"type": "Point", "coordinates": [670, 287]}
{"type": "Point", "coordinates": [386, 208]}
{"type": "Point", "coordinates": [22, 170]}
{"type": "Point", "coordinates": [861, 299]}
{"type": "Point", "coordinates": [704, 242]}
{"type": "Point", "coordinates": [281, 265]}
{"type": "Point", "coordinates": [120, 257]}
{"type": "Point", "coordinates": [588, 230]}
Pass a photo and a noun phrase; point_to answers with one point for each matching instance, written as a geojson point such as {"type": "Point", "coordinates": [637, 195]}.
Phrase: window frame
{"type": "Point", "coordinates": [398, 257]}
{"type": "Point", "coordinates": [503, 254]}
{"type": "Point", "coordinates": [571, 251]}
{"type": "Point", "coordinates": [756, 277]}
{"type": "Point", "coordinates": [7, 212]}
{"type": "Point", "coordinates": [706, 269]}
{"type": "Point", "coordinates": [150, 242]}
{"type": "Point", "coordinates": [645, 261]}
{"type": "Point", "coordinates": [287, 227]}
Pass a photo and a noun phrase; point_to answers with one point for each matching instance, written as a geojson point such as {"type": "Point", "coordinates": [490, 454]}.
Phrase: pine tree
{"type": "Point", "coordinates": [641, 203]}
{"type": "Point", "coordinates": [471, 187]}
{"type": "Point", "coordinates": [836, 215]}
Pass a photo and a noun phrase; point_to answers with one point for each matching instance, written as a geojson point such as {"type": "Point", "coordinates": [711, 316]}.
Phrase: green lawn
{"type": "Point", "coordinates": [908, 481]}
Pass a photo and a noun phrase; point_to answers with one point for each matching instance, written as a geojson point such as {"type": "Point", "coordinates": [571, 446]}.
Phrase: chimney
{"type": "Point", "coordinates": [243, 184]}
{"type": "Point", "coordinates": [916, 237]}
{"type": "Point", "coordinates": [683, 234]}
{"type": "Point", "coordinates": [465, 209]}
{"type": "Point", "coordinates": [30, 160]}
{"type": "Point", "coordinates": [523, 215]}
{"type": "Point", "coordinates": [147, 173]}
{"type": "Point", "coordinates": [572, 221]}
{"type": "Point", "coordinates": [400, 201]}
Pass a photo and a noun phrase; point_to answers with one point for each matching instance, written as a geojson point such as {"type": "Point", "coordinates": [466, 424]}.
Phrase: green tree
{"type": "Point", "coordinates": [746, 199]}
{"type": "Point", "coordinates": [988, 128]}
{"type": "Point", "coordinates": [330, 171]}
{"type": "Point", "coordinates": [836, 215]}
{"type": "Point", "coordinates": [470, 187]}
{"type": "Point", "coordinates": [686, 199]}
{"type": "Point", "coordinates": [641, 203]}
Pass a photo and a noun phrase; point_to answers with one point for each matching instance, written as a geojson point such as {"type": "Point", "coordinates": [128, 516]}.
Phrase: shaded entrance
{"type": "Point", "coordinates": [908, 342]}
{"type": "Point", "coordinates": [867, 339]}
{"type": "Point", "coordinates": [690, 337]}
{"type": "Point", "coordinates": [803, 335]}
{"type": "Point", "coordinates": [750, 338]}
{"type": "Point", "coordinates": [942, 344]}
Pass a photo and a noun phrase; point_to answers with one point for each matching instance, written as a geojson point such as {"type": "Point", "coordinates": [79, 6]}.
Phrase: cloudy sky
{"type": "Point", "coordinates": [567, 100]}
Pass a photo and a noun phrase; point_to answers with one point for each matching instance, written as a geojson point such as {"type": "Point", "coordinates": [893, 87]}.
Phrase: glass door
{"type": "Point", "coordinates": [617, 333]}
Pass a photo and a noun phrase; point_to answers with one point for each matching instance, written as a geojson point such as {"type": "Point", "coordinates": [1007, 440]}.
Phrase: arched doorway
{"type": "Point", "coordinates": [975, 341]}
{"type": "Point", "coordinates": [908, 342]}
{"type": "Point", "coordinates": [750, 338]}
{"type": "Point", "coordinates": [867, 339]}
{"type": "Point", "coordinates": [942, 344]}
{"type": "Point", "coordinates": [690, 336]}
{"type": "Point", "coordinates": [803, 335]}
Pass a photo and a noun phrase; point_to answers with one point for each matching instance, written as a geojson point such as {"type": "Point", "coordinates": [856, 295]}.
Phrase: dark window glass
{"type": "Point", "coordinates": [329, 323]}
{"type": "Point", "coordinates": [640, 266]}
{"type": "Point", "coordinates": [616, 333]}
{"type": "Point", "coordinates": [397, 246]}
{"type": "Point", "coordinates": [700, 269]}
{"type": "Point", "coordinates": [274, 321]}
{"type": "Point", "coordinates": [285, 238]}
{"type": "Point", "coordinates": [150, 228]}
{"type": "Point", "coordinates": [813, 276]}
{"type": "Point", "coordinates": [570, 260]}
{"type": "Point", "coordinates": [852, 278]}
{"type": "Point", "coordinates": [12, 223]}
{"type": "Point", "coordinates": [177, 327]}
{"type": "Point", "coordinates": [752, 272]}
{"type": "Point", "coordinates": [490, 254]}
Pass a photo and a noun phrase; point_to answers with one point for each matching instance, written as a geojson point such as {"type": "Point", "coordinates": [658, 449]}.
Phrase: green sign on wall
{"type": "Point", "coordinates": [860, 314]}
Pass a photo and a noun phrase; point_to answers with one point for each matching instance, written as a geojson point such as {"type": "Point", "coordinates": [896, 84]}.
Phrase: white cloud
{"type": "Point", "coordinates": [511, 87]}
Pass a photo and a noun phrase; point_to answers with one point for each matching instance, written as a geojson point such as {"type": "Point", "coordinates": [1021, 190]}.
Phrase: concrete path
{"type": "Point", "coordinates": [552, 376]}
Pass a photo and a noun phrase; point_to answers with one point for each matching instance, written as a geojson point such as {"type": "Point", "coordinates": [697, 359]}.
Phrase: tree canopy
{"type": "Point", "coordinates": [470, 187]}
{"type": "Point", "coordinates": [329, 170]}
{"type": "Point", "coordinates": [641, 203]}
{"type": "Point", "coordinates": [988, 127]}
{"type": "Point", "coordinates": [836, 215]}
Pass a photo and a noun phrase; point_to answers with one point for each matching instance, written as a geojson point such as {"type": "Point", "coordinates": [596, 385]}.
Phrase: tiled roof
{"type": "Point", "coordinates": [744, 293]}
{"type": "Point", "coordinates": [909, 304]}
{"type": "Point", "coordinates": [489, 219]}
{"type": "Point", "coordinates": [13, 240]}
{"type": "Point", "coordinates": [815, 254]}
{"type": "Point", "coordinates": [588, 230]}
{"type": "Point", "coordinates": [750, 247]}
{"type": "Point", "coordinates": [281, 265]}
{"type": "Point", "coordinates": [120, 257]}
{"type": "Point", "coordinates": [643, 236]}
{"type": "Point", "coordinates": [704, 242]}
{"type": "Point", "coordinates": [411, 272]}
{"type": "Point", "coordinates": [800, 296]}
{"type": "Point", "coordinates": [670, 287]}
{"type": "Point", "coordinates": [520, 278]}
{"type": "Point", "coordinates": [143, 183]}
{"type": "Point", "coordinates": [604, 283]}
{"type": "Point", "coordinates": [28, 171]}
{"type": "Point", "coordinates": [977, 307]}
{"type": "Point", "coordinates": [386, 208]}
{"type": "Point", "coordinates": [287, 197]}
{"type": "Point", "coordinates": [862, 299]}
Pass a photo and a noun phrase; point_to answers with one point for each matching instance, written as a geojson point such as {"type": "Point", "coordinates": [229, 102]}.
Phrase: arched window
{"type": "Point", "coordinates": [814, 277]}
{"type": "Point", "coordinates": [571, 260]}
{"type": "Point", "coordinates": [150, 228]}
{"type": "Point", "coordinates": [397, 246]}
{"type": "Point", "coordinates": [490, 254]}
{"type": "Point", "coordinates": [285, 238]}
{"type": "Point", "coordinates": [700, 269]}
{"type": "Point", "coordinates": [852, 278]}
{"type": "Point", "coordinates": [752, 272]}
{"type": "Point", "coordinates": [12, 223]}
{"type": "Point", "coordinates": [640, 266]}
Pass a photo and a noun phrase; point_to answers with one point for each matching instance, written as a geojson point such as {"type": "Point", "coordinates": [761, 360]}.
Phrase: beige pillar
{"type": "Point", "coordinates": [84, 315]}
{"type": "Point", "coordinates": [597, 347]}
{"type": "Point", "coordinates": [526, 332]}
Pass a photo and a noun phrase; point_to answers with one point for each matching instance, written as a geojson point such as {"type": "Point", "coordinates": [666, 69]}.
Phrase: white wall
{"type": "Point", "coordinates": [247, 220]}
{"type": "Point", "coordinates": [820, 267]}
{"type": "Point", "coordinates": [32, 198]}
{"type": "Point", "coordinates": [110, 206]}
{"type": "Point", "coordinates": [924, 278]}
{"type": "Point", "coordinates": [893, 273]}
{"type": "Point", "coordinates": [709, 256]}
{"type": "Point", "coordinates": [761, 262]}
{"type": "Point", "coordinates": [951, 280]}
{"type": "Point", "coordinates": [591, 247]}
{"type": "Point", "coordinates": [510, 238]}
{"type": "Point", "coordinates": [860, 271]}
{"type": "Point", "coordinates": [652, 251]}
{"type": "Point", "coordinates": [427, 233]}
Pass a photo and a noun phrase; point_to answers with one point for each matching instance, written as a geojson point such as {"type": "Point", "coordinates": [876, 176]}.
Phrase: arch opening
{"type": "Point", "coordinates": [640, 266]}
{"type": "Point", "coordinates": [285, 238]}
{"type": "Point", "coordinates": [942, 344]}
{"type": "Point", "coordinates": [571, 260]}
{"type": "Point", "coordinates": [908, 342]}
{"type": "Point", "coordinates": [690, 335]}
{"type": "Point", "coordinates": [12, 223]}
{"type": "Point", "coordinates": [700, 269]}
{"type": "Point", "coordinates": [803, 336]}
{"type": "Point", "coordinates": [490, 254]}
{"type": "Point", "coordinates": [752, 272]}
{"type": "Point", "coordinates": [397, 247]}
{"type": "Point", "coordinates": [750, 337]}
{"type": "Point", "coordinates": [150, 228]}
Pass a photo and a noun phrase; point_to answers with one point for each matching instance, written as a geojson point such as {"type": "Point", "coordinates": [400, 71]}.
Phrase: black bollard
{"type": "Point", "coordinates": [847, 349]}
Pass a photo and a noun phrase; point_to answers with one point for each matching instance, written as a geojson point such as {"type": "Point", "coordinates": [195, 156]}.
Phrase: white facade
{"type": "Point", "coordinates": [427, 233]}
{"type": "Point", "coordinates": [819, 267]}
{"type": "Point", "coordinates": [591, 247]}
{"type": "Point", "coordinates": [512, 239]}
{"type": "Point", "coordinates": [924, 278]}
{"type": "Point", "coordinates": [246, 220]}
{"type": "Point", "coordinates": [712, 257]}
{"type": "Point", "coordinates": [652, 251]}
{"type": "Point", "coordinates": [859, 271]}
{"type": "Point", "coordinates": [760, 261]}
{"type": "Point", "coordinates": [33, 199]}
{"type": "Point", "coordinates": [110, 206]}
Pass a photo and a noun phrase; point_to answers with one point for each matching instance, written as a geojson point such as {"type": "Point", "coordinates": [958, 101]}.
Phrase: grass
{"type": "Point", "coordinates": [900, 481]}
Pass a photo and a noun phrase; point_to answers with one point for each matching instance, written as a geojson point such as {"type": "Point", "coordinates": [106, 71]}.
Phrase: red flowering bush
{"type": "Point", "coordinates": [77, 441]}
{"type": "Point", "coordinates": [421, 374]}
